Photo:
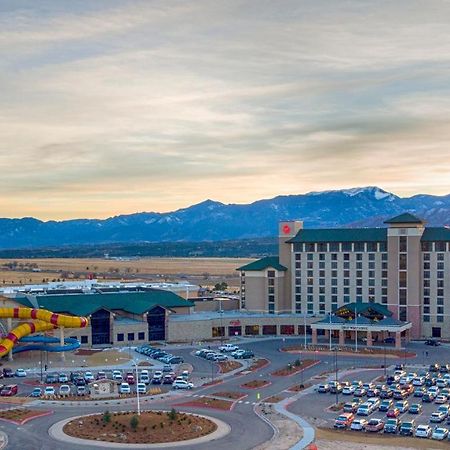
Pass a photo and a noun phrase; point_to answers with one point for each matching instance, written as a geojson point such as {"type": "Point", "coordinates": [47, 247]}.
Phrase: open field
{"type": "Point", "coordinates": [200, 270]}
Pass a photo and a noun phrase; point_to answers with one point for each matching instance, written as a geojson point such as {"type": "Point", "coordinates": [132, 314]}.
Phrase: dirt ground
{"type": "Point", "coordinates": [331, 440]}
{"type": "Point", "coordinates": [204, 271]}
{"type": "Point", "coordinates": [153, 427]}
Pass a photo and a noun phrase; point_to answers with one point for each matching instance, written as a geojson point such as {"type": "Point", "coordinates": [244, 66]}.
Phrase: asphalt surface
{"type": "Point", "coordinates": [247, 430]}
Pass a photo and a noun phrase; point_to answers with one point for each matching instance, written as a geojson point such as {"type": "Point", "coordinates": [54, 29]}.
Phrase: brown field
{"type": "Point", "coordinates": [203, 270]}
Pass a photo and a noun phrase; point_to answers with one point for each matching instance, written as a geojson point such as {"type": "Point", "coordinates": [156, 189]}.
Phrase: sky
{"type": "Point", "coordinates": [112, 107]}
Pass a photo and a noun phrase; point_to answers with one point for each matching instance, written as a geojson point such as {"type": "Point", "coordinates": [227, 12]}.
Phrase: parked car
{"type": "Point", "coordinates": [444, 409]}
{"type": "Point", "coordinates": [394, 412]}
{"type": "Point", "coordinates": [8, 373]}
{"type": "Point", "coordinates": [20, 373]}
{"type": "Point", "coordinates": [144, 378]}
{"type": "Point", "coordinates": [117, 375]}
{"type": "Point", "coordinates": [323, 388]}
{"type": "Point", "coordinates": [434, 367]}
{"type": "Point", "coordinates": [385, 405]}
{"type": "Point", "coordinates": [167, 379]}
{"type": "Point", "coordinates": [428, 397]}
{"type": "Point", "coordinates": [64, 390]}
{"type": "Point", "coordinates": [63, 378]}
{"type": "Point", "coordinates": [228, 348]}
{"type": "Point", "coordinates": [49, 391]}
{"type": "Point", "coordinates": [351, 407]}
{"type": "Point", "coordinates": [375, 425]}
{"type": "Point", "coordinates": [364, 410]}
{"type": "Point", "coordinates": [246, 354]}
{"type": "Point", "coordinates": [141, 388]}
{"type": "Point", "coordinates": [129, 378]}
{"type": "Point", "coordinates": [408, 428]}
{"type": "Point", "coordinates": [360, 392]}
{"type": "Point", "coordinates": [415, 408]}
{"type": "Point", "coordinates": [124, 388]}
{"type": "Point", "coordinates": [344, 420]}
{"type": "Point", "coordinates": [81, 390]}
{"type": "Point", "coordinates": [440, 399]}
{"type": "Point", "coordinates": [101, 375]}
{"type": "Point", "coordinates": [36, 392]}
{"type": "Point", "coordinates": [391, 426]}
{"type": "Point", "coordinates": [358, 424]}
{"type": "Point", "coordinates": [432, 342]}
{"type": "Point", "coordinates": [439, 433]}
{"type": "Point", "coordinates": [437, 417]}
{"type": "Point", "coordinates": [423, 431]}
{"type": "Point", "coordinates": [403, 406]}
{"type": "Point", "coordinates": [74, 376]}
{"type": "Point", "coordinates": [157, 377]}
{"type": "Point", "coordinates": [177, 360]}
{"type": "Point", "coordinates": [348, 390]}
{"type": "Point", "coordinates": [79, 382]}
{"type": "Point", "coordinates": [182, 384]}
{"type": "Point", "coordinates": [88, 377]}
{"type": "Point", "coordinates": [51, 378]}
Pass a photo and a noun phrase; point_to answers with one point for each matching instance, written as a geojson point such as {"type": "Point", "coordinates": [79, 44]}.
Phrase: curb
{"type": "Point", "coordinates": [56, 432]}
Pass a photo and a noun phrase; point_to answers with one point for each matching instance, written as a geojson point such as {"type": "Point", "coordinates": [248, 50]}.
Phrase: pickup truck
{"type": "Point", "coordinates": [228, 348]}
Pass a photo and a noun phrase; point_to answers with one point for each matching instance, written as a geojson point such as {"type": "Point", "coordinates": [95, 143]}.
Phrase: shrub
{"type": "Point", "coordinates": [161, 424]}
{"type": "Point", "coordinates": [134, 422]}
{"type": "Point", "coordinates": [297, 363]}
{"type": "Point", "coordinates": [106, 417]}
{"type": "Point", "coordinates": [172, 414]}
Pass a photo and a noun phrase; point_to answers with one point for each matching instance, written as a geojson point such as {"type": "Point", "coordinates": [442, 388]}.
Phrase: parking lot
{"type": "Point", "coordinates": [403, 381]}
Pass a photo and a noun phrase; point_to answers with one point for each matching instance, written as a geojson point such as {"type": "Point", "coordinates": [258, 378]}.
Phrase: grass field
{"type": "Point", "coordinates": [200, 270]}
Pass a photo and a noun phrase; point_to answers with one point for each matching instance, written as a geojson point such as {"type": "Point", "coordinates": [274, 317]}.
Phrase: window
{"type": "Point", "coordinates": [426, 318]}
{"type": "Point", "coordinates": [346, 256]}
{"type": "Point", "coordinates": [383, 299]}
{"type": "Point", "coordinates": [218, 331]}
{"type": "Point", "coordinates": [402, 278]}
{"type": "Point", "coordinates": [271, 282]}
{"type": "Point", "coordinates": [298, 256]}
{"type": "Point", "coordinates": [382, 247]}
{"type": "Point", "coordinates": [402, 296]}
{"type": "Point", "coordinates": [426, 265]}
{"type": "Point", "coordinates": [440, 301]}
{"type": "Point", "coordinates": [426, 247]}
{"type": "Point", "coordinates": [322, 255]}
{"type": "Point", "coordinates": [426, 300]}
{"type": "Point", "coordinates": [252, 330]}
{"type": "Point", "coordinates": [120, 337]}
{"type": "Point", "coordinates": [141, 336]}
{"type": "Point", "coordinates": [131, 336]}
{"type": "Point", "coordinates": [310, 256]}
{"type": "Point", "coordinates": [440, 257]}
{"type": "Point", "coordinates": [271, 309]}
{"type": "Point", "coordinates": [84, 339]}
{"type": "Point", "coordinates": [440, 318]}
{"type": "Point", "coordinates": [384, 256]}
{"type": "Point", "coordinates": [440, 310]}
{"type": "Point", "coordinates": [298, 247]}
{"type": "Point", "coordinates": [436, 332]}
{"type": "Point", "coordinates": [269, 329]}
{"type": "Point", "coordinates": [426, 310]}
{"type": "Point", "coordinates": [359, 256]}
{"type": "Point", "coordinates": [359, 247]}
{"type": "Point", "coordinates": [440, 266]}
{"type": "Point", "coordinates": [403, 244]}
{"type": "Point", "coordinates": [403, 315]}
{"type": "Point", "coordinates": [440, 246]}
{"type": "Point", "coordinates": [271, 273]}
{"type": "Point", "coordinates": [402, 261]}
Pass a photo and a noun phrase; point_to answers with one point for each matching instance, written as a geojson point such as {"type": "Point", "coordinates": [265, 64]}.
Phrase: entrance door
{"type": "Point", "coordinates": [156, 320]}
{"type": "Point", "coordinates": [101, 327]}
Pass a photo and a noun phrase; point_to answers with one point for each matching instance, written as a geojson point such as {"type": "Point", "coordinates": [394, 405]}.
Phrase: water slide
{"type": "Point", "coordinates": [43, 321]}
{"type": "Point", "coordinates": [40, 342]}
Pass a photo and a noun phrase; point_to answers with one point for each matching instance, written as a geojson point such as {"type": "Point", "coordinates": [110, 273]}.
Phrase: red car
{"type": "Point", "coordinates": [375, 425]}
{"type": "Point", "coordinates": [394, 412]}
{"type": "Point", "coordinates": [9, 391]}
{"type": "Point", "coordinates": [130, 378]}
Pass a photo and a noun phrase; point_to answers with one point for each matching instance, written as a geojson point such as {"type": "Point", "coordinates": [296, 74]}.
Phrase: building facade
{"type": "Point", "coordinates": [404, 267]}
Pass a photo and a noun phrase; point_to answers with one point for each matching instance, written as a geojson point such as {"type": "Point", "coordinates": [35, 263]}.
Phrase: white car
{"type": "Point", "coordinates": [63, 378]}
{"type": "Point", "coordinates": [440, 399]}
{"type": "Point", "coordinates": [124, 388]}
{"type": "Point", "coordinates": [21, 373]}
{"type": "Point", "coordinates": [182, 384]}
{"type": "Point", "coordinates": [88, 377]}
{"type": "Point", "coordinates": [439, 433]}
{"type": "Point", "coordinates": [81, 390]}
{"type": "Point", "coordinates": [144, 378]}
{"type": "Point", "coordinates": [237, 353]}
{"type": "Point", "coordinates": [358, 424]}
{"type": "Point", "coordinates": [49, 391]}
{"type": "Point", "coordinates": [437, 417]}
{"type": "Point", "coordinates": [64, 389]}
{"type": "Point", "coordinates": [423, 431]}
{"type": "Point", "coordinates": [201, 351]}
{"type": "Point", "coordinates": [228, 348]}
{"type": "Point", "coordinates": [141, 388]}
{"type": "Point", "coordinates": [117, 375]}
{"type": "Point", "coordinates": [348, 390]}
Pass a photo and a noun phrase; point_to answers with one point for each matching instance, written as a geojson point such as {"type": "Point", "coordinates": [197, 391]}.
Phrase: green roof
{"type": "Point", "coordinates": [24, 301]}
{"type": "Point", "coordinates": [263, 263]}
{"type": "Point", "coordinates": [132, 302]}
{"type": "Point", "coordinates": [404, 218]}
{"type": "Point", "coordinates": [341, 235]}
{"type": "Point", "coordinates": [432, 234]}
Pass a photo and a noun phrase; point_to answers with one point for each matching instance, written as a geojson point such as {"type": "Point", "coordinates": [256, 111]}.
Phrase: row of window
{"type": "Point", "coordinates": [375, 247]}
{"type": "Point", "coordinates": [435, 246]}
{"type": "Point", "coordinates": [439, 256]}
{"type": "Point", "coordinates": [130, 336]}
{"type": "Point", "coordinates": [335, 256]}
{"type": "Point", "coordinates": [310, 265]}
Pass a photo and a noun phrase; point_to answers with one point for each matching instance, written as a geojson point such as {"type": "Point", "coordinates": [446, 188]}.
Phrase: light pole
{"type": "Point", "coordinates": [356, 329]}
{"type": "Point", "coordinates": [137, 388]}
{"type": "Point", "coordinates": [336, 374]}
{"type": "Point", "coordinates": [304, 327]}
{"type": "Point", "coordinates": [329, 331]}
{"type": "Point", "coordinates": [384, 348]}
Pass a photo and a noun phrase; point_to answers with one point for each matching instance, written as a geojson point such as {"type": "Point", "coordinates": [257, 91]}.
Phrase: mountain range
{"type": "Point", "coordinates": [215, 221]}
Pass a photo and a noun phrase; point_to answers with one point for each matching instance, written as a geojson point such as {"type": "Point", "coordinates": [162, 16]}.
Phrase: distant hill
{"type": "Point", "coordinates": [215, 221]}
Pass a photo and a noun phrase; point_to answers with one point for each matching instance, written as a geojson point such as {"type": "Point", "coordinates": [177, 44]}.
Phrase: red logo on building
{"type": "Point", "coordinates": [286, 229]}
{"type": "Point", "coordinates": [235, 322]}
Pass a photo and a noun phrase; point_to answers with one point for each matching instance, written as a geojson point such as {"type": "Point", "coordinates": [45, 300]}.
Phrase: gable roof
{"type": "Point", "coordinates": [436, 234]}
{"type": "Point", "coordinates": [404, 218]}
{"type": "Point", "coordinates": [340, 235]}
{"type": "Point", "coordinates": [263, 263]}
{"type": "Point", "coordinates": [132, 302]}
{"type": "Point", "coordinates": [360, 307]}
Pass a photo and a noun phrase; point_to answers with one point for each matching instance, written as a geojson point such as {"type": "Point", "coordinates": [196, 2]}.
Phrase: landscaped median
{"type": "Point", "coordinates": [208, 402]}
{"type": "Point", "coordinates": [230, 395]}
{"type": "Point", "coordinates": [228, 366]}
{"type": "Point", "coordinates": [363, 351]}
{"type": "Point", "coordinates": [258, 364]}
{"type": "Point", "coordinates": [256, 384]}
{"type": "Point", "coordinates": [150, 429]}
{"type": "Point", "coordinates": [21, 416]}
{"type": "Point", "coordinates": [295, 367]}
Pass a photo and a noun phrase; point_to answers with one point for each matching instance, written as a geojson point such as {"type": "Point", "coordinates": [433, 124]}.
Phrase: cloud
{"type": "Point", "coordinates": [113, 107]}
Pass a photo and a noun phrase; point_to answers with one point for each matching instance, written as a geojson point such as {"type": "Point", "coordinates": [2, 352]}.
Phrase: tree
{"type": "Point", "coordinates": [172, 414]}
{"type": "Point", "coordinates": [134, 422]}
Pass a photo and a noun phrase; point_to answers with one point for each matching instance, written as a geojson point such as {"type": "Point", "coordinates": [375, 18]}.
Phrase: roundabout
{"type": "Point", "coordinates": [152, 429]}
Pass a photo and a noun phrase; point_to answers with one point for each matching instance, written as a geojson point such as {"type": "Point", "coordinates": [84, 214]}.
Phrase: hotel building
{"type": "Point", "coordinates": [399, 274]}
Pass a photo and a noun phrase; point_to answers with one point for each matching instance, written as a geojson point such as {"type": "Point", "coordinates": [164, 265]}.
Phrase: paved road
{"type": "Point", "coordinates": [247, 429]}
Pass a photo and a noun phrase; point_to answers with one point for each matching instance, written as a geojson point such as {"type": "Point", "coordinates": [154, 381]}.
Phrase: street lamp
{"type": "Point", "coordinates": [137, 387]}
{"type": "Point", "coordinates": [329, 331]}
{"type": "Point", "coordinates": [336, 374]}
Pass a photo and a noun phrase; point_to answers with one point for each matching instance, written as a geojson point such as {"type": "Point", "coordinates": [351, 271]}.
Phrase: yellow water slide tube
{"type": "Point", "coordinates": [44, 321]}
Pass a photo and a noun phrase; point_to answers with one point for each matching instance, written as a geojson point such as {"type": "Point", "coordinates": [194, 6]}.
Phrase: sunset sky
{"type": "Point", "coordinates": [113, 107]}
